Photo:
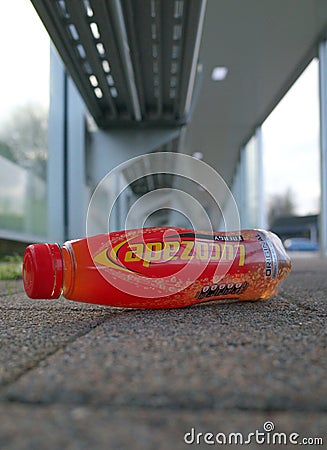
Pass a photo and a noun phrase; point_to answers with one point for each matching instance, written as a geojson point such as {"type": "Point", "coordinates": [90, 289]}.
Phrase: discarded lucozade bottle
{"type": "Point", "coordinates": [158, 267]}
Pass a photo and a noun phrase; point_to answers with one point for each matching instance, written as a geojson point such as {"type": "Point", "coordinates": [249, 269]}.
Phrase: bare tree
{"type": "Point", "coordinates": [25, 133]}
{"type": "Point", "coordinates": [7, 152]}
{"type": "Point", "coordinates": [281, 205]}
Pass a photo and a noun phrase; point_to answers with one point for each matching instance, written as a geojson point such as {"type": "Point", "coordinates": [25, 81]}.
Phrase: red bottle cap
{"type": "Point", "coordinates": [43, 271]}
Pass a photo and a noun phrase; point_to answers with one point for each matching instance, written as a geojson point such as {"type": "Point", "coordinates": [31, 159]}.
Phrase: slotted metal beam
{"type": "Point", "coordinates": [133, 61]}
{"type": "Point", "coordinates": [126, 57]}
{"type": "Point", "coordinates": [88, 38]}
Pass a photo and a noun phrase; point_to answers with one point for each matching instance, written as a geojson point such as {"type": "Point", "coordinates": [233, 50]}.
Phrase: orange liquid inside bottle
{"type": "Point", "coordinates": [158, 267]}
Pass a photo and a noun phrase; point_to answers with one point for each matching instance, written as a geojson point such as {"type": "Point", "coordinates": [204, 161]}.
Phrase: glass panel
{"type": "Point", "coordinates": [24, 94]}
{"type": "Point", "coordinates": [251, 183]}
{"type": "Point", "coordinates": [22, 199]}
{"type": "Point", "coordinates": [291, 150]}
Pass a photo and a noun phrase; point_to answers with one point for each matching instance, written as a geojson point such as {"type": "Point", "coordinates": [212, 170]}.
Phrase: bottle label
{"type": "Point", "coordinates": [221, 290]}
{"type": "Point", "coordinates": [269, 252]}
{"type": "Point", "coordinates": [140, 256]}
{"type": "Point", "coordinates": [171, 266]}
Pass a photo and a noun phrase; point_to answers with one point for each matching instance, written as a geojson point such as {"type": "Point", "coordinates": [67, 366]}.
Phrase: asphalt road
{"type": "Point", "coordinates": [77, 376]}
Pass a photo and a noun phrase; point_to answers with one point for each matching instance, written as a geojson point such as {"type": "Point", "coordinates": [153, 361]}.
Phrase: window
{"type": "Point", "coordinates": [24, 93]}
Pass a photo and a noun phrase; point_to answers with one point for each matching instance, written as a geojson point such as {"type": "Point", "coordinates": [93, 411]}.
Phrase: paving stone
{"type": "Point", "coordinates": [83, 376]}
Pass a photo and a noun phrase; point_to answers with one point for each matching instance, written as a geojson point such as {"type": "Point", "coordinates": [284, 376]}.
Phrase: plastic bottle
{"type": "Point", "coordinates": [158, 267]}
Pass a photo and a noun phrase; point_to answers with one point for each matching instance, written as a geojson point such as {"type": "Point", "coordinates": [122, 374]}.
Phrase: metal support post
{"type": "Point", "coordinates": [66, 158]}
{"type": "Point", "coordinates": [76, 198]}
{"type": "Point", "coordinates": [56, 150]}
{"type": "Point", "coordinates": [243, 204]}
{"type": "Point", "coordinates": [323, 147]}
{"type": "Point", "coordinates": [261, 209]}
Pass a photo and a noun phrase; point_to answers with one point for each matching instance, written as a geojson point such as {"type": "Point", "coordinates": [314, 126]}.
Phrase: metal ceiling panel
{"type": "Point", "coordinates": [133, 61]}
{"type": "Point", "coordinates": [265, 45]}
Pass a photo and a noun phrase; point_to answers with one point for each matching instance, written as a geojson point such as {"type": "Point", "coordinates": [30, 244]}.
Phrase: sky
{"type": "Point", "coordinates": [290, 134]}
{"type": "Point", "coordinates": [24, 50]}
{"type": "Point", "coordinates": [291, 144]}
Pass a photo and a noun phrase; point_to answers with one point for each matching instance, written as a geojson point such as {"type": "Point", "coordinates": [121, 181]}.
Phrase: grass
{"type": "Point", "coordinates": [11, 267]}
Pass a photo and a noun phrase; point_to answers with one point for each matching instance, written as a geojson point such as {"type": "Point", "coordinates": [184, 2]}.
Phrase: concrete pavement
{"type": "Point", "coordinates": [77, 376]}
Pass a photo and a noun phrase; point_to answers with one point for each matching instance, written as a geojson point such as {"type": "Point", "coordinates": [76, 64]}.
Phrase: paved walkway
{"type": "Point", "coordinates": [76, 376]}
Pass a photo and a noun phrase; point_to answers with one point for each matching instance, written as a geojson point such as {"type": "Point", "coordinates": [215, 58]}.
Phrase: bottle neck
{"type": "Point", "coordinates": [57, 270]}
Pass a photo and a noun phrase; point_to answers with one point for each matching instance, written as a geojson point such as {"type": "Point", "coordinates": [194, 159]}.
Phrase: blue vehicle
{"type": "Point", "coordinates": [301, 244]}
